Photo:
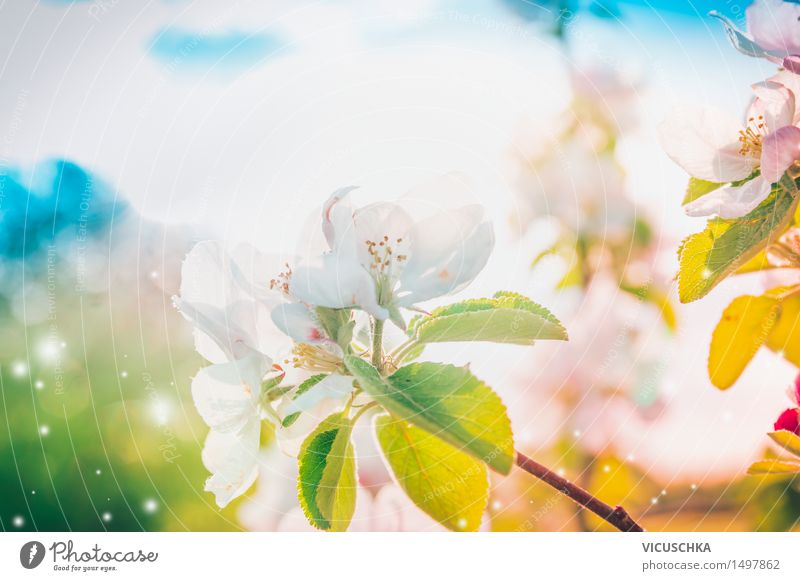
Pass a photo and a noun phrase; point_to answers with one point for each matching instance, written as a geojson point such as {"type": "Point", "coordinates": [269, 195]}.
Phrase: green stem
{"type": "Point", "coordinates": [377, 345]}
{"type": "Point", "coordinates": [364, 408]}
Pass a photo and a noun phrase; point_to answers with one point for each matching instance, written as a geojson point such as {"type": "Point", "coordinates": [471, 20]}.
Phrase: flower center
{"type": "Point", "coordinates": [383, 256]}
{"type": "Point", "coordinates": [314, 358]}
{"type": "Point", "coordinates": [281, 282]}
{"type": "Point", "coordinates": [751, 137]}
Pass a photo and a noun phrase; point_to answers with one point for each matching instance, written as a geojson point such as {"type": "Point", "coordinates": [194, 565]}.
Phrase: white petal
{"type": "Point", "coordinates": [435, 239]}
{"type": "Point", "coordinates": [298, 323]}
{"type": "Point", "coordinates": [253, 270]}
{"type": "Point", "coordinates": [337, 281]}
{"type": "Point", "coordinates": [775, 103]}
{"type": "Point", "coordinates": [731, 202]}
{"type": "Point", "coordinates": [448, 252]}
{"type": "Point", "coordinates": [225, 396]}
{"type": "Point", "coordinates": [337, 216]}
{"type": "Point", "coordinates": [791, 81]}
{"type": "Point", "coordinates": [206, 277]}
{"type": "Point", "coordinates": [231, 329]}
{"type": "Point", "coordinates": [383, 224]}
{"type": "Point", "coordinates": [232, 459]}
{"type": "Point", "coordinates": [705, 143]}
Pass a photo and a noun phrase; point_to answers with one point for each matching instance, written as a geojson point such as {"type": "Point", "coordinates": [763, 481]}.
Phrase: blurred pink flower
{"type": "Point", "coordinates": [790, 418]}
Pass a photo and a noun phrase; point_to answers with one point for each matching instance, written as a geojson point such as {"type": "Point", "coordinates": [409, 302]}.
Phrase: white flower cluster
{"type": "Point", "coordinates": [258, 321]}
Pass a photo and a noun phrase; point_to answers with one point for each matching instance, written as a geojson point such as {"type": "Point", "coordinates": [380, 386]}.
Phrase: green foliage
{"type": "Point", "coordinates": [698, 188]}
{"type": "Point", "coordinates": [446, 483]}
{"type": "Point", "coordinates": [301, 389]}
{"type": "Point", "coordinates": [710, 256]}
{"type": "Point", "coordinates": [446, 401]}
{"type": "Point", "coordinates": [505, 318]}
{"type": "Point", "coordinates": [337, 324]}
{"type": "Point", "coordinates": [326, 482]}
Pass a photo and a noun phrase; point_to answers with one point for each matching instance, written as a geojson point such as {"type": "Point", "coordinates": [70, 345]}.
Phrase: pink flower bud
{"type": "Point", "coordinates": [788, 420]}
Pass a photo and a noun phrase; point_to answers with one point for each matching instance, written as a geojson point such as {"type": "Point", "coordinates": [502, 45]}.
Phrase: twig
{"type": "Point", "coordinates": [616, 516]}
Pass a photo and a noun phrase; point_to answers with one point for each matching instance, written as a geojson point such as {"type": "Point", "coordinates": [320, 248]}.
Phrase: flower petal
{"type": "Point", "coordinates": [779, 151]}
{"type": "Point", "coordinates": [222, 328]}
{"type": "Point", "coordinates": [226, 394]}
{"type": "Point", "coordinates": [297, 322]}
{"type": "Point", "coordinates": [792, 64]}
{"type": "Point", "coordinates": [788, 420]}
{"type": "Point", "coordinates": [730, 201]}
{"type": "Point", "coordinates": [774, 102]}
{"type": "Point", "coordinates": [337, 215]}
{"type": "Point", "coordinates": [741, 42]}
{"type": "Point", "coordinates": [773, 24]}
{"type": "Point", "coordinates": [232, 459]}
{"type": "Point", "coordinates": [204, 276]}
{"type": "Point", "coordinates": [337, 281]}
{"type": "Point", "coordinates": [705, 143]}
{"type": "Point", "coordinates": [448, 250]}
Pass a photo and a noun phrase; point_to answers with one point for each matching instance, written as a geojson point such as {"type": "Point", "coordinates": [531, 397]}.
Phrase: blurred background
{"type": "Point", "coordinates": [131, 130]}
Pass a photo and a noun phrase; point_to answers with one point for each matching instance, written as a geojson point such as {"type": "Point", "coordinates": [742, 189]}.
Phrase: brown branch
{"type": "Point", "coordinates": [616, 516]}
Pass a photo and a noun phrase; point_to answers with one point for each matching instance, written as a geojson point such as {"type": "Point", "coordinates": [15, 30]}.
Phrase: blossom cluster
{"type": "Point", "coordinates": [276, 331]}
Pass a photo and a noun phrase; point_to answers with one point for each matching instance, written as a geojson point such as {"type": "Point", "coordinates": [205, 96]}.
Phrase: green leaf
{"type": "Point", "coordinates": [710, 256]}
{"type": "Point", "coordinates": [446, 483]}
{"type": "Point", "coordinates": [301, 389]}
{"type": "Point", "coordinates": [787, 440]}
{"type": "Point", "coordinates": [773, 467]}
{"type": "Point", "coordinates": [505, 318]}
{"type": "Point", "coordinates": [697, 189]}
{"type": "Point", "coordinates": [745, 325]}
{"type": "Point", "coordinates": [326, 481]}
{"type": "Point", "coordinates": [338, 325]}
{"type": "Point", "coordinates": [448, 402]}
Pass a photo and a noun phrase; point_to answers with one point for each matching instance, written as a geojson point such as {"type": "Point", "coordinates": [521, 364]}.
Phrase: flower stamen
{"type": "Point", "coordinates": [752, 136]}
{"type": "Point", "coordinates": [314, 358]}
{"type": "Point", "coordinates": [382, 255]}
{"type": "Point", "coordinates": [281, 282]}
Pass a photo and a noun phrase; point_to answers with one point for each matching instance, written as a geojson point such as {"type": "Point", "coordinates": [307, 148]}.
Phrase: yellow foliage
{"type": "Point", "coordinates": [744, 327]}
{"type": "Point", "coordinates": [785, 337]}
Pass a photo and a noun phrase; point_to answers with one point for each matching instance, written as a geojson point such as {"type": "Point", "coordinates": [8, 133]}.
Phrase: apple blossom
{"type": "Point", "coordinates": [381, 259]}
{"type": "Point", "coordinates": [234, 327]}
{"type": "Point", "coordinates": [227, 392]}
{"type": "Point", "coordinates": [712, 147]}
